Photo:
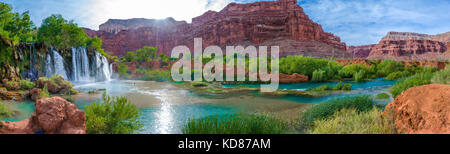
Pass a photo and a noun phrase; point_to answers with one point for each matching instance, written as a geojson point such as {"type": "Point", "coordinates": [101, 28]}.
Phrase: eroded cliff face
{"type": "Point", "coordinates": [281, 22]}
{"type": "Point", "coordinates": [362, 51]}
{"type": "Point", "coordinates": [408, 46]}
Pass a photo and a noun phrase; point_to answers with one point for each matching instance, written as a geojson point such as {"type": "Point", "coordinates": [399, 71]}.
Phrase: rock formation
{"type": "Point", "coordinates": [422, 110]}
{"type": "Point", "coordinates": [294, 78]}
{"type": "Point", "coordinates": [51, 116]}
{"type": "Point", "coordinates": [281, 23]}
{"type": "Point", "coordinates": [362, 51]}
{"type": "Point", "coordinates": [407, 46]}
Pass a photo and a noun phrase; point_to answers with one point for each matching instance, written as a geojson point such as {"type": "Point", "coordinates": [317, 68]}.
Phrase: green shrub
{"type": "Point", "coordinates": [157, 75]}
{"type": "Point", "coordinates": [12, 85]}
{"type": "Point", "coordinates": [318, 76]}
{"type": "Point", "coordinates": [116, 115]}
{"type": "Point", "coordinates": [122, 68]}
{"type": "Point", "coordinates": [4, 111]}
{"type": "Point", "coordinates": [199, 84]}
{"type": "Point", "coordinates": [382, 96]}
{"type": "Point", "coordinates": [398, 75]}
{"type": "Point", "coordinates": [44, 93]}
{"type": "Point", "coordinates": [350, 70]}
{"type": "Point", "coordinates": [347, 87]}
{"type": "Point", "coordinates": [389, 66]}
{"type": "Point", "coordinates": [324, 110]}
{"type": "Point", "coordinates": [301, 65]}
{"type": "Point", "coordinates": [342, 86]}
{"type": "Point", "coordinates": [360, 76]}
{"type": "Point", "coordinates": [352, 121]}
{"type": "Point", "coordinates": [236, 124]}
{"type": "Point", "coordinates": [412, 81]}
{"type": "Point", "coordinates": [321, 88]}
{"type": "Point", "coordinates": [442, 77]}
{"type": "Point", "coordinates": [26, 85]}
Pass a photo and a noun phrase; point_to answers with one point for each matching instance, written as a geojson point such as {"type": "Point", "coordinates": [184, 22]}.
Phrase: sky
{"type": "Point", "coordinates": [357, 22]}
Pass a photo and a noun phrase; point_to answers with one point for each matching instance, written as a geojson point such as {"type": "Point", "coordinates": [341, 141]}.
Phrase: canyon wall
{"type": "Point", "coordinates": [412, 46]}
{"type": "Point", "coordinates": [282, 23]}
{"type": "Point", "coordinates": [362, 51]}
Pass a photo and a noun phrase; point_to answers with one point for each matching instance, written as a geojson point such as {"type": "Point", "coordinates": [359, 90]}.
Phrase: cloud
{"type": "Point", "coordinates": [360, 22]}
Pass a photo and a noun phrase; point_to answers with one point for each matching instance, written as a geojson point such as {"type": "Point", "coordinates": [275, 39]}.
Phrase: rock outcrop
{"type": "Point", "coordinates": [51, 116]}
{"type": "Point", "coordinates": [408, 46]}
{"type": "Point", "coordinates": [281, 23]}
{"type": "Point", "coordinates": [294, 78]}
{"type": "Point", "coordinates": [362, 51]}
{"type": "Point", "coordinates": [422, 110]}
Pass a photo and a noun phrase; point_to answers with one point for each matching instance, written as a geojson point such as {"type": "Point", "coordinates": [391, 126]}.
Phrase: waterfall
{"type": "Point", "coordinates": [80, 65]}
{"type": "Point", "coordinates": [55, 65]}
{"type": "Point", "coordinates": [83, 69]}
{"type": "Point", "coordinates": [103, 68]}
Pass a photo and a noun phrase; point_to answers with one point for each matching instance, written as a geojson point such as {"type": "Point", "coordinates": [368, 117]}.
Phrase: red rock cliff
{"type": "Point", "coordinates": [281, 23]}
{"type": "Point", "coordinates": [362, 51]}
{"type": "Point", "coordinates": [406, 46]}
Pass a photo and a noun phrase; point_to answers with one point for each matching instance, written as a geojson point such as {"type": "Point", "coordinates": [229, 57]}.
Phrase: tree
{"type": "Point", "coordinates": [60, 33]}
{"type": "Point", "coordinates": [116, 115]}
{"type": "Point", "coordinates": [146, 54]}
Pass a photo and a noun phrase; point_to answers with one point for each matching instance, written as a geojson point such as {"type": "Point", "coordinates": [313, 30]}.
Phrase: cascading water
{"type": "Point", "coordinates": [83, 69]}
{"type": "Point", "coordinates": [55, 65]}
{"type": "Point", "coordinates": [80, 65]}
{"type": "Point", "coordinates": [103, 68]}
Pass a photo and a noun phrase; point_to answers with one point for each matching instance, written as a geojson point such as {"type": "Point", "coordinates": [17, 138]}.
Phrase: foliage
{"type": "Point", "coordinates": [146, 54]}
{"type": "Point", "coordinates": [338, 86]}
{"type": "Point", "coordinates": [44, 93]}
{"type": "Point", "coordinates": [398, 75]}
{"type": "Point", "coordinates": [318, 76]}
{"type": "Point", "coordinates": [418, 79]}
{"type": "Point", "coordinates": [382, 96]}
{"type": "Point", "coordinates": [351, 121]}
{"type": "Point", "coordinates": [123, 73]}
{"type": "Point", "coordinates": [61, 34]}
{"type": "Point", "coordinates": [15, 27]}
{"type": "Point", "coordinates": [5, 111]}
{"type": "Point", "coordinates": [199, 84]}
{"type": "Point", "coordinates": [116, 115]}
{"type": "Point", "coordinates": [301, 65]}
{"type": "Point", "coordinates": [236, 124]}
{"type": "Point", "coordinates": [324, 110]}
{"type": "Point", "coordinates": [389, 66]}
{"type": "Point", "coordinates": [442, 77]}
{"type": "Point", "coordinates": [360, 76]}
{"type": "Point", "coordinates": [26, 85]}
{"type": "Point", "coordinates": [342, 86]}
{"type": "Point", "coordinates": [130, 57]}
{"type": "Point", "coordinates": [157, 75]}
{"type": "Point", "coordinates": [12, 85]}
{"type": "Point", "coordinates": [350, 70]}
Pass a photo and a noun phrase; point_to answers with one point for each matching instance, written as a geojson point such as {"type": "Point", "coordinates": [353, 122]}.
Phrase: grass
{"type": "Point", "coordinates": [236, 124]}
{"type": "Point", "coordinates": [351, 121]}
{"type": "Point", "coordinates": [327, 109]}
{"type": "Point", "coordinates": [338, 86]}
{"type": "Point", "coordinates": [418, 79]}
{"type": "Point", "coordinates": [442, 77]}
{"type": "Point", "coordinates": [382, 96]}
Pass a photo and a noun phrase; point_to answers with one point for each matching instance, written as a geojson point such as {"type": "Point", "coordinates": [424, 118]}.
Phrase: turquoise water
{"type": "Point", "coordinates": [23, 110]}
{"type": "Point", "coordinates": [166, 107]}
{"type": "Point", "coordinates": [359, 88]}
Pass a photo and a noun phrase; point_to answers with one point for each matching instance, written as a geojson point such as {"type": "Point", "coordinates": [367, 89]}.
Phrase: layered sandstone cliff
{"type": "Point", "coordinates": [362, 51]}
{"type": "Point", "coordinates": [408, 46]}
{"type": "Point", "coordinates": [282, 23]}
